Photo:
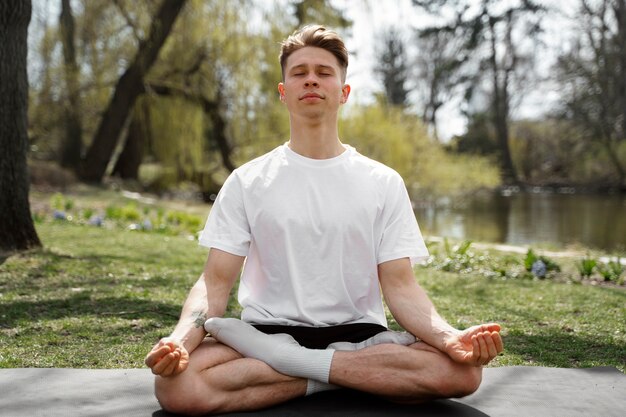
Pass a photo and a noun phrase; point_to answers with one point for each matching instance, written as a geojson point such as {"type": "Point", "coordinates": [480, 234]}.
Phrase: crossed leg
{"type": "Point", "coordinates": [220, 380]}
{"type": "Point", "coordinates": [404, 374]}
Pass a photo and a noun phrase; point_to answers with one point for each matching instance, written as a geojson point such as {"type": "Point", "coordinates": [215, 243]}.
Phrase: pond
{"type": "Point", "coordinates": [529, 218]}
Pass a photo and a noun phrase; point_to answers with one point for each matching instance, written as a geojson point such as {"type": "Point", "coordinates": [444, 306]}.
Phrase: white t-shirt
{"type": "Point", "coordinates": [313, 232]}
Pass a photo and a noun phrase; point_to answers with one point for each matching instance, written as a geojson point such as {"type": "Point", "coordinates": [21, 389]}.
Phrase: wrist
{"type": "Point", "coordinates": [188, 337]}
{"type": "Point", "coordinates": [448, 337]}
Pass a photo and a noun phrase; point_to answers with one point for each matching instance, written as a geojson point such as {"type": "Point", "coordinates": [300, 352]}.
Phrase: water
{"type": "Point", "coordinates": [595, 221]}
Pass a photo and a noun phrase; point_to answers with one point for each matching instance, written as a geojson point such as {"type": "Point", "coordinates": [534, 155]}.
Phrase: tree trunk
{"type": "Point", "coordinates": [212, 108]}
{"type": "Point", "coordinates": [17, 231]}
{"type": "Point", "coordinates": [72, 143]}
{"type": "Point", "coordinates": [500, 114]}
{"type": "Point", "coordinates": [127, 165]}
{"type": "Point", "coordinates": [128, 88]}
{"type": "Point", "coordinates": [620, 15]}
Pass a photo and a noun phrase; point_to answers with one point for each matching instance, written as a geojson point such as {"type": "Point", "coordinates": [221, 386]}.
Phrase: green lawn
{"type": "Point", "coordinates": [100, 298]}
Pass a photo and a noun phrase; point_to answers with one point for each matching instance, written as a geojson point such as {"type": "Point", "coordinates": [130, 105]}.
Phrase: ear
{"type": "Point", "coordinates": [345, 93]}
{"type": "Point", "coordinates": [281, 91]}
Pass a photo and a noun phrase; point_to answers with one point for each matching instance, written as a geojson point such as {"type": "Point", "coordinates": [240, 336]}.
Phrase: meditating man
{"type": "Point", "coordinates": [324, 230]}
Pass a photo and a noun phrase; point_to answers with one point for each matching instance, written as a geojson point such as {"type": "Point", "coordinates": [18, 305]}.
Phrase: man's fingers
{"type": "Point", "coordinates": [173, 365]}
{"type": "Point", "coordinates": [497, 339]}
{"type": "Point", "coordinates": [163, 364]}
{"type": "Point", "coordinates": [484, 350]}
{"type": "Point", "coordinates": [493, 327]}
{"type": "Point", "coordinates": [155, 355]}
{"type": "Point", "coordinates": [491, 346]}
{"type": "Point", "coordinates": [487, 327]}
{"type": "Point", "coordinates": [475, 349]}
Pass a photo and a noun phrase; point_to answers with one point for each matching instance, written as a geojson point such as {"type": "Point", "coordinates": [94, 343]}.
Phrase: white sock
{"type": "Point", "coordinates": [313, 386]}
{"type": "Point", "coordinates": [389, 336]}
{"type": "Point", "coordinates": [281, 351]}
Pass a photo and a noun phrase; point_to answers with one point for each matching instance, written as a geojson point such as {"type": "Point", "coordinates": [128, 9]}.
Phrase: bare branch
{"type": "Point", "coordinates": [133, 25]}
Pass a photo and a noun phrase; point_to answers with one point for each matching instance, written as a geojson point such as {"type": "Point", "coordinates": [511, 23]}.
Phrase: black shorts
{"type": "Point", "coordinates": [321, 337]}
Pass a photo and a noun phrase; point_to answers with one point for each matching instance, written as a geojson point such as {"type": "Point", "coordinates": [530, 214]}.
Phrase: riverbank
{"type": "Point", "coordinates": [128, 210]}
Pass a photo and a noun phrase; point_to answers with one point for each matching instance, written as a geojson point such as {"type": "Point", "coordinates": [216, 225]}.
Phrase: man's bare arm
{"type": "Point", "coordinates": [207, 298]}
{"type": "Point", "coordinates": [410, 305]}
{"type": "Point", "coordinates": [414, 311]}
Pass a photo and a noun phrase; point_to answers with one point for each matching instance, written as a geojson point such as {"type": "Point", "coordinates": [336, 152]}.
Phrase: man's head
{"type": "Point", "coordinates": [317, 36]}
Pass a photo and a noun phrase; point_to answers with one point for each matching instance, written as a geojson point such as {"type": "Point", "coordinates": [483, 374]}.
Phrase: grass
{"type": "Point", "coordinates": [101, 297]}
{"type": "Point", "coordinates": [545, 323]}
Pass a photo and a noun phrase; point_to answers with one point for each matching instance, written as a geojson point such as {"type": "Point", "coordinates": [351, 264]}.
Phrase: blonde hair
{"type": "Point", "coordinates": [317, 36]}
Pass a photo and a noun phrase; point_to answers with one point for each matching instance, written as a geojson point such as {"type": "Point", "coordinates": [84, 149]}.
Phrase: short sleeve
{"type": "Point", "coordinates": [401, 236]}
{"type": "Point", "coordinates": [227, 226]}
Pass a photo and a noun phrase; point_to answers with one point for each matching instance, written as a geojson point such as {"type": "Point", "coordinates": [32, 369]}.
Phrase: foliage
{"type": "Point", "coordinates": [399, 140]}
{"type": "Point", "coordinates": [586, 266]}
{"type": "Point", "coordinates": [593, 73]}
{"type": "Point", "coordinates": [210, 52]}
{"type": "Point", "coordinates": [551, 150]}
{"type": "Point", "coordinates": [463, 260]}
{"type": "Point", "coordinates": [172, 120]}
{"type": "Point", "coordinates": [480, 138]}
{"type": "Point", "coordinates": [130, 216]}
{"type": "Point", "coordinates": [213, 61]}
{"type": "Point", "coordinates": [545, 151]}
{"type": "Point", "coordinates": [612, 270]}
{"type": "Point", "coordinates": [438, 80]}
{"type": "Point", "coordinates": [496, 53]}
{"type": "Point", "coordinates": [392, 68]}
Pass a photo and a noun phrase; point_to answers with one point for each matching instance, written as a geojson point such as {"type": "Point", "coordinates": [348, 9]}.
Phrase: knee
{"type": "Point", "coordinates": [464, 381]}
{"type": "Point", "coordinates": [176, 397]}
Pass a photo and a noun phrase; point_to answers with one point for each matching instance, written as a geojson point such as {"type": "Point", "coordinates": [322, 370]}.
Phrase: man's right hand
{"type": "Point", "coordinates": [167, 358]}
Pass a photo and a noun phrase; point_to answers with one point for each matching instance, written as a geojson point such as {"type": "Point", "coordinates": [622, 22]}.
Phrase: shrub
{"type": "Point", "coordinates": [130, 212]}
{"type": "Point", "coordinates": [113, 213]}
{"type": "Point", "coordinates": [57, 201]}
{"type": "Point", "coordinates": [586, 267]}
{"type": "Point", "coordinates": [612, 270]}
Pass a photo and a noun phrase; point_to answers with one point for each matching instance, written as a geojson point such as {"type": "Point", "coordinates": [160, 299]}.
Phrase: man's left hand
{"type": "Point", "coordinates": [476, 346]}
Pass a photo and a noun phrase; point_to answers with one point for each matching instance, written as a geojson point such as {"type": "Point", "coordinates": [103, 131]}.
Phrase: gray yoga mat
{"type": "Point", "coordinates": [506, 391]}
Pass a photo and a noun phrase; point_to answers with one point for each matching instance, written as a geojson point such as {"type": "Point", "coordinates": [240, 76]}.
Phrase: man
{"type": "Point", "coordinates": [323, 230]}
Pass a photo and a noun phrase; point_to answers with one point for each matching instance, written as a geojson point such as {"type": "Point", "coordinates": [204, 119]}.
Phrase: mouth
{"type": "Point", "coordinates": [310, 96]}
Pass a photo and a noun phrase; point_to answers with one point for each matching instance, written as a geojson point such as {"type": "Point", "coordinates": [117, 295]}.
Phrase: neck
{"type": "Point", "coordinates": [315, 140]}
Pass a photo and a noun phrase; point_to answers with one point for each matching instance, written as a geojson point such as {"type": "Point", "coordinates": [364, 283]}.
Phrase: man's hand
{"type": "Point", "coordinates": [476, 346]}
{"type": "Point", "coordinates": [167, 358]}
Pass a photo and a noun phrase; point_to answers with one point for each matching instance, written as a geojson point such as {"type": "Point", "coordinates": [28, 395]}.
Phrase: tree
{"type": "Point", "coordinates": [127, 90]}
{"type": "Point", "coordinates": [17, 231]}
{"type": "Point", "coordinates": [138, 136]}
{"type": "Point", "coordinates": [488, 28]}
{"type": "Point", "coordinates": [316, 11]}
{"type": "Point", "coordinates": [593, 74]}
{"type": "Point", "coordinates": [392, 67]}
{"type": "Point", "coordinates": [439, 59]}
{"type": "Point", "coordinates": [72, 143]}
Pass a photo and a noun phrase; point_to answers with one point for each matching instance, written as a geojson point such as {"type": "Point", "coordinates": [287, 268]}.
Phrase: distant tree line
{"type": "Point", "coordinates": [484, 56]}
{"type": "Point", "coordinates": [177, 91]}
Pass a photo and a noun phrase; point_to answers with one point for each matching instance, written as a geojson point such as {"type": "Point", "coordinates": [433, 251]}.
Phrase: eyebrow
{"type": "Point", "coordinates": [318, 66]}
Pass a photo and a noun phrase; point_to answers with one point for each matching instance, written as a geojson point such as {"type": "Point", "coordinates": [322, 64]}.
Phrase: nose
{"type": "Point", "coordinates": [311, 82]}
